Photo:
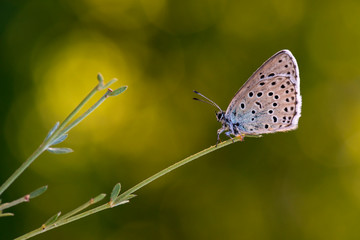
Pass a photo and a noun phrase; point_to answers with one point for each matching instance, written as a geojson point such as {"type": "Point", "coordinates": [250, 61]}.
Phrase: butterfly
{"type": "Point", "coordinates": [268, 102]}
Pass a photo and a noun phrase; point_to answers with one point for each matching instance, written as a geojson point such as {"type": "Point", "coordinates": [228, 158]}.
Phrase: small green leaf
{"type": "Point", "coordinates": [59, 150]}
{"type": "Point", "coordinates": [122, 200]}
{"type": "Point", "coordinates": [98, 198]}
{"type": "Point", "coordinates": [51, 220]}
{"type": "Point", "coordinates": [38, 192]}
{"type": "Point", "coordinates": [59, 139]}
{"type": "Point", "coordinates": [100, 79]}
{"type": "Point", "coordinates": [118, 91]}
{"type": "Point", "coordinates": [53, 129]}
{"type": "Point", "coordinates": [115, 192]}
{"type": "Point", "coordinates": [6, 214]}
{"type": "Point", "coordinates": [119, 202]}
{"type": "Point", "coordinates": [130, 196]}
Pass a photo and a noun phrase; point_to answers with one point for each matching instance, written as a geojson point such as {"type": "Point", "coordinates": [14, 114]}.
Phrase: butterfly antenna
{"type": "Point", "coordinates": [208, 100]}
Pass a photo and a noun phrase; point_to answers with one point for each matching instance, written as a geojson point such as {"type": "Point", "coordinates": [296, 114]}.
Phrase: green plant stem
{"type": "Point", "coordinates": [72, 114]}
{"type": "Point", "coordinates": [75, 211]}
{"type": "Point", "coordinates": [85, 114]}
{"type": "Point", "coordinates": [128, 192]}
{"type": "Point", "coordinates": [22, 168]}
{"type": "Point", "coordinates": [46, 143]}
{"type": "Point", "coordinates": [13, 203]}
{"type": "Point", "coordinates": [63, 222]}
{"type": "Point", "coordinates": [6, 214]}
{"type": "Point", "coordinates": [176, 165]}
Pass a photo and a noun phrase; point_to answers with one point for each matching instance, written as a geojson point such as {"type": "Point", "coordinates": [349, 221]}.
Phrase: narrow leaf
{"type": "Point", "coordinates": [130, 196]}
{"type": "Point", "coordinates": [122, 200]}
{"type": "Point", "coordinates": [38, 192]}
{"type": "Point", "coordinates": [117, 203]}
{"type": "Point", "coordinates": [100, 79]}
{"type": "Point", "coordinates": [51, 220]}
{"type": "Point", "coordinates": [118, 91]}
{"type": "Point", "coordinates": [53, 129]}
{"type": "Point", "coordinates": [98, 198]}
{"type": "Point", "coordinates": [6, 214]}
{"type": "Point", "coordinates": [115, 192]}
{"type": "Point", "coordinates": [59, 139]}
{"type": "Point", "coordinates": [60, 150]}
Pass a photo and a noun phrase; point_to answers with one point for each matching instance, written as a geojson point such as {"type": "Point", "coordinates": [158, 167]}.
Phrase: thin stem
{"type": "Point", "coordinates": [72, 114]}
{"type": "Point", "coordinates": [15, 202]}
{"type": "Point", "coordinates": [75, 211]}
{"type": "Point", "coordinates": [176, 165]}
{"type": "Point", "coordinates": [64, 221]}
{"type": "Point", "coordinates": [46, 143]}
{"type": "Point", "coordinates": [124, 195]}
{"type": "Point", "coordinates": [22, 168]}
{"type": "Point", "coordinates": [85, 114]}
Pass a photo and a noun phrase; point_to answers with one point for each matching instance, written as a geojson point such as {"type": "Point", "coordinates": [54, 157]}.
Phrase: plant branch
{"type": "Point", "coordinates": [124, 197]}
{"type": "Point", "coordinates": [176, 165]}
{"type": "Point", "coordinates": [61, 130]}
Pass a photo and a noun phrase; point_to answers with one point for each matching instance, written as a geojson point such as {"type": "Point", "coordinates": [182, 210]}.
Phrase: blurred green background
{"type": "Point", "coordinates": [303, 184]}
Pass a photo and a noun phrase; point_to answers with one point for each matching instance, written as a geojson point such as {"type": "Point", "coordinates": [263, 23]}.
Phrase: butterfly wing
{"type": "Point", "coordinates": [270, 99]}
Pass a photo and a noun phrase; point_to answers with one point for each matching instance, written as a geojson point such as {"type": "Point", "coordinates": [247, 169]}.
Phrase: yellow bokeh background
{"type": "Point", "coordinates": [303, 184]}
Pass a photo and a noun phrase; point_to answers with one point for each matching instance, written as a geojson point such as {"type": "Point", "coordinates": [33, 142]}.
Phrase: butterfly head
{"type": "Point", "coordinates": [220, 116]}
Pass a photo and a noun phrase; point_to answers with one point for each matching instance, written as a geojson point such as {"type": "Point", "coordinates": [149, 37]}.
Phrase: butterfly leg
{"type": "Point", "coordinates": [218, 135]}
{"type": "Point", "coordinates": [218, 140]}
{"type": "Point", "coordinates": [228, 134]}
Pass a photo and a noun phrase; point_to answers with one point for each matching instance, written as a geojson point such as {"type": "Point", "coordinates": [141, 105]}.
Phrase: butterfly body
{"type": "Point", "coordinates": [268, 102]}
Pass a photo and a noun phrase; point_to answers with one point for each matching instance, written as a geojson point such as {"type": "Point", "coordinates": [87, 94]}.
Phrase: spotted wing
{"type": "Point", "coordinates": [270, 100]}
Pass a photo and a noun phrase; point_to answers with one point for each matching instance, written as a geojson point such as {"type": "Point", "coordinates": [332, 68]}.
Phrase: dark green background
{"type": "Point", "coordinates": [303, 184]}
